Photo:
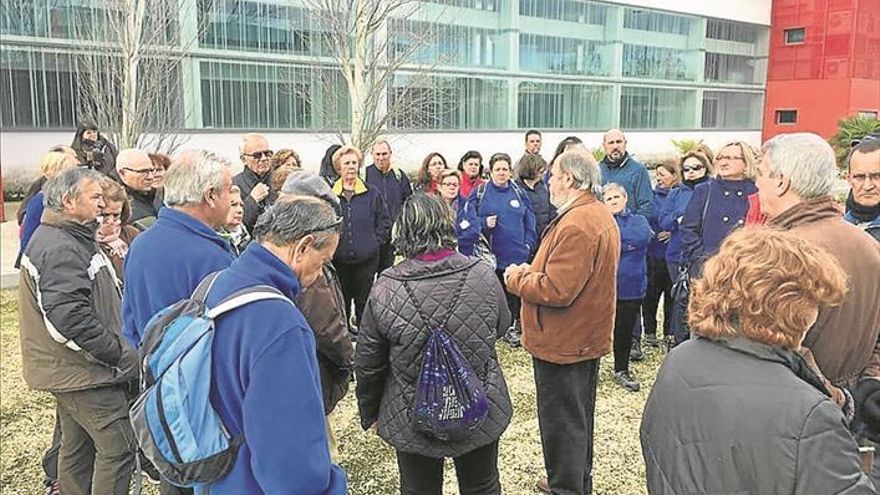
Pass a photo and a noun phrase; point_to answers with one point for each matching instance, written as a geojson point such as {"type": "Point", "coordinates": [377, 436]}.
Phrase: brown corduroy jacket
{"type": "Point", "coordinates": [569, 294]}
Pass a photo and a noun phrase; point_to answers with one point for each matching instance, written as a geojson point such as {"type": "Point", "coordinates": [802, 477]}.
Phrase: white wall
{"type": "Point", "coordinates": [21, 151]}
{"type": "Point", "coordinates": [753, 11]}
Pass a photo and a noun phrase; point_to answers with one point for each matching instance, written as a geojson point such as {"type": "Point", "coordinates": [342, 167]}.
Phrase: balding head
{"type": "Point", "coordinates": [135, 169]}
{"type": "Point", "coordinates": [255, 153]}
{"type": "Point", "coordinates": [614, 144]}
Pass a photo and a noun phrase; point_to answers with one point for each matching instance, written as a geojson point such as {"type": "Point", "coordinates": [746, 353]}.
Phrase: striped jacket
{"type": "Point", "coordinates": [69, 315]}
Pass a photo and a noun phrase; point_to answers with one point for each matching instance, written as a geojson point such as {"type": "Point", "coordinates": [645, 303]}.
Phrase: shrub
{"type": "Point", "coordinates": [848, 130]}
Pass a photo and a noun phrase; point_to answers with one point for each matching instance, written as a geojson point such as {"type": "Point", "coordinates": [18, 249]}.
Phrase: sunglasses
{"type": "Point", "coordinates": [692, 168]}
{"type": "Point", "coordinates": [259, 155]}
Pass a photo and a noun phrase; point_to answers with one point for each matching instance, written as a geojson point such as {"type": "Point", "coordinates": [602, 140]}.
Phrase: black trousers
{"type": "Point", "coordinates": [566, 395]}
{"type": "Point", "coordinates": [356, 280]}
{"type": "Point", "coordinates": [386, 257]}
{"type": "Point", "coordinates": [477, 472]}
{"type": "Point", "coordinates": [624, 319]}
{"type": "Point", "coordinates": [658, 285]}
{"type": "Point", "coordinates": [513, 301]}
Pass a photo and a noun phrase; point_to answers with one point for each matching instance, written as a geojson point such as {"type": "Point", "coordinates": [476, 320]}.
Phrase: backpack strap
{"type": "Point", "coordinates": [455, 296]}
{"type": "Point", "coordinates": [245, 297]}
{"type": "Point", "coordinates": [201, 291]}
{"type": "Point", "coordinates": [481, 191]}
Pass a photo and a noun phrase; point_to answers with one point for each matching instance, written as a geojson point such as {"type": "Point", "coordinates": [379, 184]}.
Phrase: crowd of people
{"type": "Point", "coordinates": [768, 288]}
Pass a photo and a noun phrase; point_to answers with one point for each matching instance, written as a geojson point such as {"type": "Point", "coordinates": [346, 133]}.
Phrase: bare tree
{"type": "Point", "coordinates": [129, 77]}
{"type": "Point", "coordinates": [378, 50]}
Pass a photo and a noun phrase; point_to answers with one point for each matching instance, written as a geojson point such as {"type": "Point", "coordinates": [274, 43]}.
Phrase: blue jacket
{"type": "Point", "coordinates": [467, 226]}
{"type": "Point", "coordinates": [633, 176]}
{"type": "Point", "coordinates": [872, 227]}
{"type": "Point", "coordinates": [632, 272]}
{"type": "Point", "coordinates": [657, 249]}
{"type": "Point", "coordinates": [366, 224]}
{"type": "Point", "coordinates": [514, 237]}
{"type": "Point", "coordinates": [33, 213]}
{"type": "Point", "coordinates": [727, 208]}
{"type": "Point", "coordinates": [265, 383]}
{"type": "Point", "coordinates": [165, 264]}
{"type": "Point", "coordinates": [667, 220]}
{"type": "Point", "coordinates": [541, 206]}
{"type": "Point", "coordinates": [394, 187]}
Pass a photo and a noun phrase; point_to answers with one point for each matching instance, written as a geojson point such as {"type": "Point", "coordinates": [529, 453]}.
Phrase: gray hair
{"type": "Point", "coordinates": [613, 186]}
{"type": "Point", "coordinates": [425, 225]}
{"type": "Point", "coordinates": [67, 184]}
{"type": "Point", "coordinates": [806, 159]}
{"type": "Point", "coordinates": [583, 168]}
{"type": "Point", "coordinates": [286, 222]}
{"type": "Point", "coordinates": [191, 174]}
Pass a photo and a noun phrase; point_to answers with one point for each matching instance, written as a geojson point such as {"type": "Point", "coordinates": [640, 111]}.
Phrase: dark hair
{"type": "Point", "coordinates": [531, 132]}
{"type": "Point", "coordinates": [705, 160]}
{"type": "Point", "coordinates": [671, 165]}
{"type": "Point", "coordinates": [424, 177]}
{"type": "Point", "coordinates": [867, 144]}
{"type": "Point", "coordinates": [498, 157]}
{"type": "Point", "coordinates": [328, 172]}
{"type": "Point", "coordinates": [560, 148]}
{"type": "Point", "coordinates": [160, 160]}
{"type": "Point", "coordinates": [528, 166]}
{"type": "Point", "coordinates": [425, 225]}
{"type": "Point", "coordinates": [469, 156]}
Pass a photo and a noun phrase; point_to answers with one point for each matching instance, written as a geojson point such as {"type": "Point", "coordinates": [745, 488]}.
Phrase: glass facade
{"type": "Point", "coordinates": [487, 65]}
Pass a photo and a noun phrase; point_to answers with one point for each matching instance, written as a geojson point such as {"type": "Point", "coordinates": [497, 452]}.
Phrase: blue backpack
{"type": "Point", "coordinates": [176, 426]}
{"type": "Point", "coordinates": [449, 399]}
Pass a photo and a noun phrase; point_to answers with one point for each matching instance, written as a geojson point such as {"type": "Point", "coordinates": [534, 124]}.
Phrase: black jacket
{"type": "Point", "coordinates": [69, 313]}
{"type": "Point", "coordinates": [388, 356]}
{"type": "Point", "coordinates": [394, 187]}
{"type": "Point", "coordinates": [744, 417]}
{"type": "Point", "coordinates": [98, 155]}
{"type": "Point", "coordinates": [145, 206]}
{"type": "Point", "coordinates": [246, 181]}
{"type": "Point", "coordinates": [365, 224]}
{"type": "Point", "coordinates": [541, 206]}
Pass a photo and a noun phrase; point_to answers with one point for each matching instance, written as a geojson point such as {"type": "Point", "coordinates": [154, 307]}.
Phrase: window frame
{"type": "Point", "coordinates": [779, 113]}
{"type": "Point", "coordinates": [786, 35]}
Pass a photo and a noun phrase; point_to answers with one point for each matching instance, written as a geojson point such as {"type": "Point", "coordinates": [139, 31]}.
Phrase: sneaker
{"type": "Point", "coordinates": [652, 341]}
{"type": "Point", "coordinates": [150, 471]}
{"type": "Point", "coordinates": [513, 337]}
{"type": "Point", "coordinates": [53, 488]}
{"type": "Point", "coordinates": [635, 353]}
{"type": "Point", "coordinates": [623, 379]}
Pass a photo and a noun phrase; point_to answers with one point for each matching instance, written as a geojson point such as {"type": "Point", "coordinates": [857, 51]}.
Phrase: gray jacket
{"type": "Point", "coordinates": [742, 417]}
{"type": "Point", "coordinates": [69, 315]}
{"type": "Point", "coordinates": [388, 355]}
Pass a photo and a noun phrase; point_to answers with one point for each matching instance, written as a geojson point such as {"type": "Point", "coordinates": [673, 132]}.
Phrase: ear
{"type": "Point", "coordinates": [783, 185]}
{"type": "Point", "coordinates": [68, 202]}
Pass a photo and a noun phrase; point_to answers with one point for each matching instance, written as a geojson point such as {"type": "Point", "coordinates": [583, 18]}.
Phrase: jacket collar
{"type": "Point", "coordinates": [359, 187]}
{"type": "Point", "coordinates": [180, 221]}
{"type": "Point", "coordinates": [619, 164]}
{"type": "Point", "coordinates": [392, 170]}
{"type": "Point", "coordinates": [811, 210]}
{"type": "Point", "coordinates": [147, 197]}
{"type": "Point", "coordinates": [84, 231]}
{"type": "Point", "coordinates": [257, 265]}
{"type": "Point", "coordinates": [414, 269]}
{"type": "Point", "coordinates": [252, 176]}
{"type": "Point", "coordinates": [584, 199]}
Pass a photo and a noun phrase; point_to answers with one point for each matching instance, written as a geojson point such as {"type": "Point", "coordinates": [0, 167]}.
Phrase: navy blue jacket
{"type": "Point", "coordinates": [366, 224]}
{"type": "Point", "coordinates": [633, 176]}
{"type": "Point", "coordinates": [727, 208]}
{"type": "Point", "coordinates": [33, 214]}
{"type": "Point", "coordinates": [165, 264]}
{"type": "Point", "coordinates": [657, 248]}
{"type": "Point", "coordinates": [673, 209]}
{"type": "Point", "coordinates": [632, 272]}
{"type": "Point", "coordinates": [394, 187]}
{"type": "Point", "coordinates": [265, 384]}
{"type": "Point", "coordinates": [541, 206]}
{"type": "Point", "coordinates": [467, 226]}
{"type": "Point", "coordinates": [513, 238]}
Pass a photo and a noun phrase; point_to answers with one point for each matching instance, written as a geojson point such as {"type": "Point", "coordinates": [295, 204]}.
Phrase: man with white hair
{"type": "Point", "coordinates": [795, 178]}
{"type": "Point", "coordinates": [569, 294]}
{"type": "Point", "coordinates": [254, 179]}
{"type": "Point", "coordinates": [137, 173]}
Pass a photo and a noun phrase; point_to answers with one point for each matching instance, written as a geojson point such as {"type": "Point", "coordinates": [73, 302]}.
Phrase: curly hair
{"type": "Point", "coordinates": [764, 285]}
{"type": "Point", "coordinates": [699, 155]}
{"type": "Point", "coordinates": [282, 156]}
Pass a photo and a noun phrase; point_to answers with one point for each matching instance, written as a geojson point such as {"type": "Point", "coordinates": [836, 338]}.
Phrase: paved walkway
{"type": "Point", "coordinates": [8, 251]}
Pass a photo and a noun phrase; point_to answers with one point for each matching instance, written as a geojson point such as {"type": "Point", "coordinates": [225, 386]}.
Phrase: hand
{"type": "Point", "coordinates": [492, 221]}
{"type": "Point", "coordinates": [664, 236]}
{"type": "Point", "coordinates": [260, 192]}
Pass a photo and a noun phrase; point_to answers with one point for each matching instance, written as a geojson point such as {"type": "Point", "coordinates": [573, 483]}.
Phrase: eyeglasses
{"type": "Point", "coordinates": [692, 168]}
{"type": "Point", "coordinates": [259, 155]}
{"type": "Point", "coordinates": [729, 158]}
{"type": "Point", "coordinates": [331, 226]}
{"type": "Point", "coordinates": [860, 178]}
{"type": "Point", "coordinates": [143, 171]}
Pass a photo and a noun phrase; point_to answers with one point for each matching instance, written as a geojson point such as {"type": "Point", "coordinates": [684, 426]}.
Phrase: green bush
{"type": "Point", "coordinates": [848, 130]}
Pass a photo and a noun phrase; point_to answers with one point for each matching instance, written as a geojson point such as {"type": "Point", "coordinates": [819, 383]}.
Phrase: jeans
{"type": "Point", "coordinates": [624, 318]}
{"type": "Point", "coordinates": [356, 280]}
{"type": "Point", "coordinates": [658, 285]}
{"type": "Point", "coordinates": [97, 443]}
{"type": "Point", "coordinates": [513, 302]}
{"type": "Point", "coordinates": [566, 396]}
{"type": "Point", "coordinates": [477, 472]}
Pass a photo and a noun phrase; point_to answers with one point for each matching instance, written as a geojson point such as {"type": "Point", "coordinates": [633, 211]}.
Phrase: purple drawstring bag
{"type": "Point", "coordinates": [449, 398]}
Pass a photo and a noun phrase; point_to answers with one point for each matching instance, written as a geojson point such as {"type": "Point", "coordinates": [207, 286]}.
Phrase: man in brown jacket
{"type": "Point", "coordinates": [568, 299]}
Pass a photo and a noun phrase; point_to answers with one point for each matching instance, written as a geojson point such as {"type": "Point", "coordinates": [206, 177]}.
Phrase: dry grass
{"type": "Point", "coordinates": [26, 420]}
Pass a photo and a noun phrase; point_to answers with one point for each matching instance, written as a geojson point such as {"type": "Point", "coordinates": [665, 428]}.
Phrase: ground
{"type": "Point", "coordinates": [26, 420]}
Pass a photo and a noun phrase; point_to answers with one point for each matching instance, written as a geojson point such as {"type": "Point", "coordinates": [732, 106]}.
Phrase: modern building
{"type": "Point", "coordinates": [658, 69]}
{"type": "Point", "coordinates": [824, 64]}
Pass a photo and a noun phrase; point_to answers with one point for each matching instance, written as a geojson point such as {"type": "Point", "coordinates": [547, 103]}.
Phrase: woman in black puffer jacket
{"type": "Point", "coordinates": [445, 286]}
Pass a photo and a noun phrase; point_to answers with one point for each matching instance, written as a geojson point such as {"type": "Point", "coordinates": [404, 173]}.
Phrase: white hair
{"type": "Point", "coordinates": [247, 137]}
{"type": "Point", "coordinates": [67, 184]}
{"type": "Point", "coordinates": [613, 186]}
{"type": "Point", "coordinates": [584, 170]}
{"type": "Point", "coordinates": [806, 159]}
{"type": "Point", "coordinates": [191, 174]}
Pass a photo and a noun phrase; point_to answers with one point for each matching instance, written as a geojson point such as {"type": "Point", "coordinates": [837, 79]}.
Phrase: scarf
{"type": "Point", "coordinates": [861, 213]}
{"type": "Point", "coordinates": [693, 183]}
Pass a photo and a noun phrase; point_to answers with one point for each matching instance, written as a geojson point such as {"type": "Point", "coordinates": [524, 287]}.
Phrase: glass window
{"type": "Point", "coordinates": [795, 36]}
{"type": "Point", "coordinates": [563, 106]}
{"type": "Point", "coordinates": [488, 5]}
{"type": "Point", "coordinates": [653, 62]}
{"type": "Point", "coordinates": [419, 102]}
{"type": "Point", "coordinates": [646, 20]}
{"type": "Point", "coordinates": [565, 10]}
{"type": "Point", "coordinates": [563, 55]}
{"type": "Point", "coordinates": [786, 117]}
{"type": "Point", "coordinates": [656, 108]}
{"type": "Point", "coordinates": [732, 110]}
{"type": "Point", "coordinates": [261, 27]}
{"type": "Point", "coordinates": [443, 44]}
{"type": "Point", "coordinates": [722, 67]}
{"type": "Point", "coordinates": [717, 29]}
{"type": "Point", "coordinates": [38, 90]}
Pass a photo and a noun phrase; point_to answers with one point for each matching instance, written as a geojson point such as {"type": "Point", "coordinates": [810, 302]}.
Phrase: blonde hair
{"type": "Point", "coordinates": [55, 162]}
{"type": "Point", "coordinates": [345, 150]}
{"type": "Point", "coordinates": [749, 157]}
{"type": "Point", "coordinates": [762, 285]}
{"type": "Point", "coordinates": [699, 155]}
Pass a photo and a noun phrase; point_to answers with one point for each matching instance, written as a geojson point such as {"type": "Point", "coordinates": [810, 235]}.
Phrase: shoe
{"type": "Point", "coordinates": [53, 488]}
{"type": "Point", "coordinates": [652, 341]}
{"type": "Point", "coordinates": [635, 352]}
{"type": "Point", "coordinates": [543, 485]}
{"type": "Point", "coordinates": [513, 337]}
{"type": "Point", "coordinates": [150, 471]}
{"type": "Point", "coordinates": [670, 342]}
{"type": "Point", "coordinates": [623, 379]}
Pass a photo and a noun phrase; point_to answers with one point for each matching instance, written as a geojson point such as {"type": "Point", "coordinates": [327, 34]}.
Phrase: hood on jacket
{"type": "Point", "coordinates": [328, 172]}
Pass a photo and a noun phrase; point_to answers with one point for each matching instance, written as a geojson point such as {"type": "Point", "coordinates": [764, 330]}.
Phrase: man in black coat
{"type": "Point", "coordinates": [137, 173]}
{"type": "Point", "coordinates": [254, 179]}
